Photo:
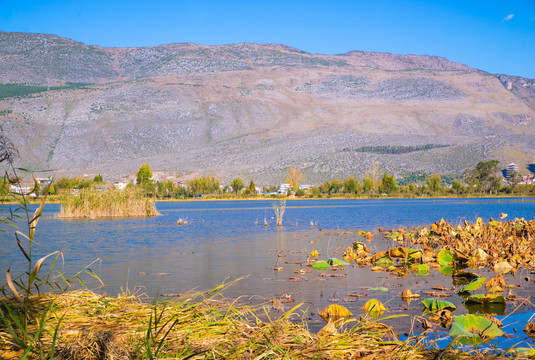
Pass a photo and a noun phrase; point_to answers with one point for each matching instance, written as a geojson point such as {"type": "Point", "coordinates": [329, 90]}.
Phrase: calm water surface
{"type": "Point", "coordinates": [227, 240]}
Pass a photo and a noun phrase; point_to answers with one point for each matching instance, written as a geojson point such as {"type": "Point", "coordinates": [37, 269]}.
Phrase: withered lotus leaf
{"type": "Point", "coordinates": [530, 329]}
{"type": "Point", "coordinates": [443, 318]}
{"type": "Point", "coordinates": [407, 294]}
{"type": "Point", "coordinates": [502, 267]}
{"type": "Point", "coordinates": [399, 252]}
{"type": "Point", "coordinates": [496, 284]}
{"type": "Point", "coordinates": [335, 312]}
{"type": "Point", "coordinates": [373, 308]}
{"type": "Point", "coordinates": [501, 246]}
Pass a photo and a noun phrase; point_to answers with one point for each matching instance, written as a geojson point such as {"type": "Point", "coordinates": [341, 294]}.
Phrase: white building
{"type": "Point", "coordinates": [510, 169]}
{"type": "Point", "coordinates": [119, 185]}
{"type": "Point", "coordinates": [283, 189]}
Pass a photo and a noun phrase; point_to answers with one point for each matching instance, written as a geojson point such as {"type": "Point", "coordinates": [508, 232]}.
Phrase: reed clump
{"type": "Point", "coordinates": [90, 203]}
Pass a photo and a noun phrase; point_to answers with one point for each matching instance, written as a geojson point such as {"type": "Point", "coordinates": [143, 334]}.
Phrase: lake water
{"type": "Point", "coordinates": [228, 239]}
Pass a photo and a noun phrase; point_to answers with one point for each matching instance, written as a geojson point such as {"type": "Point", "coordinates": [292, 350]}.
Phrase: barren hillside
{"type": "Point", "coordinates": [254, 110]}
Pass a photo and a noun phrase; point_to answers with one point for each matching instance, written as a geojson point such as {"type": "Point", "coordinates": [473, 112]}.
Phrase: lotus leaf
{"type": "Point", "coordinates": [314, 253]}
{"type": "Point", "coordinates": [335, 312]}
{"type": "Point", "coordinates": [486, 298]}
{"type": "Point", "coordinates": [321, 265]}
{"type": "Point", "coordinates": [380, 288]}
{"type": "Point", "coordinates": [385, 262]}
{"type": "Point", "coordinates": [446, 270]}
{"type": "Point", "coordinates": [473, 285]}
{"type": "Point", "coordinates": [485, 304]}
{"type": "Point", "coordinates": [420, 269]}
{"type": "Point", "coordinates": [335, 261]}
{"type": "Point", "coordinates": [445, 257]}
{"type": "Point", "coordinates": [373, 308]}
{"type": "Point", "coordinates": [434, 305]}
{"type": "Point", "coordinates": [463, 277]}
{"type": "Point", "coordinates": [415, 255]}
{"type": "Point", "coordinates": [472, 329]}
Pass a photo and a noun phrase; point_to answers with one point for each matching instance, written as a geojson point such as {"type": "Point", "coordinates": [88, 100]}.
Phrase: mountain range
{"type": "Point", "coordinates": [254, 110]}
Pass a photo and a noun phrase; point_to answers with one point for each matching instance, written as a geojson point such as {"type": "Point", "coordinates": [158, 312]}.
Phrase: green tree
{"type": "Point", "coordinates": [367, 183]}
{"type": "Point", "coordinates": [252, 188]}
{"type": "Point", "coordinates": [351, 185]}
{"type": "Point", "coordinates": [433, 182]}
{"type": "Point", "coordinates": [388, 184]}
{"type": "Point", "coordinates": [237, 185]}
{"type": "Point", "coordinates": [484, 177]}
{"type": "Point", "coordinates": [514, 178]}
{"type": "Point", "coordinates": [98, 179]}
{"type": "Point", "coordinates": [457, 186]}
{"type": "Point", "coordinates": [144, 175]}
{"type": "Point", "coordinates": [336, 185]}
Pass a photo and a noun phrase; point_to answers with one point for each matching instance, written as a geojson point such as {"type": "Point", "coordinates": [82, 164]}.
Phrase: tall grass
{"type": "Point", "coordinates": [90, 203]}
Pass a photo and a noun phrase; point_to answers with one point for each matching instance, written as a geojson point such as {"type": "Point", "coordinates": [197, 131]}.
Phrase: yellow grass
{"type": "Point", "coordinates": [111, 202]}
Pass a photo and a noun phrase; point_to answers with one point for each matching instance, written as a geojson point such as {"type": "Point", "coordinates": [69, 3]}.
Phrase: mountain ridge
{"type": "Point", "coordinates": [253, 110]}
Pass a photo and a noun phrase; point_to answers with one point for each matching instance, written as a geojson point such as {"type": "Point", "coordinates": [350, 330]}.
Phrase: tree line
{"type": "Point", "coordinates": [485, 178]}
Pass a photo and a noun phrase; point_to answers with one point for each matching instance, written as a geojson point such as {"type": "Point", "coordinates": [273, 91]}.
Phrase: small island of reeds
{"type": "Point", "coordinates": [91, 204]}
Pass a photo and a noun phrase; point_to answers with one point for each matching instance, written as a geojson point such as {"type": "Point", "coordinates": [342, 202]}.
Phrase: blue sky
{"type": "Point", "coordinates": [494, 36]}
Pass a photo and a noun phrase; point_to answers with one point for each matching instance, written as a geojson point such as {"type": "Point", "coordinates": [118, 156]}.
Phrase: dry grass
{"type": "Point", "coordinates": [108, 203]}
{"type": "Point", "coordinates": [202, 326]}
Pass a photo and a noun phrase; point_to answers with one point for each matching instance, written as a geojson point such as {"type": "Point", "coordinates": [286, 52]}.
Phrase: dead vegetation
{"type": "Point", "coordinates": [202, 326]}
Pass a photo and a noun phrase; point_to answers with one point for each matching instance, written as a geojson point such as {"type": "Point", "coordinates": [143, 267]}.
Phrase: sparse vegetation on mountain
{"type": "Point", "coordinates": [398, 149]}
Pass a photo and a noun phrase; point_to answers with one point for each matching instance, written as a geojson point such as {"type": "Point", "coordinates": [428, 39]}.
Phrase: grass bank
{"type": "Point", "coordinates": [89, 203]}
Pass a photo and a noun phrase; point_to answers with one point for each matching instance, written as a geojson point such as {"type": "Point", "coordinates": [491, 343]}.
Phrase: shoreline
{"type": "Point", "coordinates": [257, 198]}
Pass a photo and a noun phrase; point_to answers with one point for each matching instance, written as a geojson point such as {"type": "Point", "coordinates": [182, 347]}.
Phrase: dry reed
{"type": "Point", "coordinates": [111, 202]}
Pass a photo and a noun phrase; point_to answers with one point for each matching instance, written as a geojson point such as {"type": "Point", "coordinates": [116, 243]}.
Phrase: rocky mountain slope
{"type": "Point", "coordinates": [254, 110]}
